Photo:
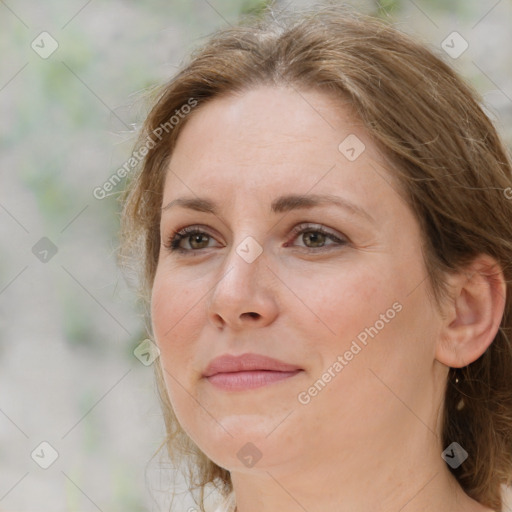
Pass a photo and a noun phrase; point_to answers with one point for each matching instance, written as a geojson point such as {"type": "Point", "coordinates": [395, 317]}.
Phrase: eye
{"type": "Point", "coordinates": [199, 239]}
{"type": "Point", "coordinates": [192, 234]}
{"type": "Point", "coordinates": [316, 235]}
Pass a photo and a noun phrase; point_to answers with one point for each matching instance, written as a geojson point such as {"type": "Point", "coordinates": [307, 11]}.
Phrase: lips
{"type": "Point", "coordinates": [245, 363]}
{"type": "Point", "coordinates": [247, 372]}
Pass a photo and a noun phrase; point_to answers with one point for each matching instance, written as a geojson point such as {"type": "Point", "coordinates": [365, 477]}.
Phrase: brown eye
{"type": "Point", "coordinates": [197, 240]}
{"type": "Point", "coordinates": [313, 237]}
{"type": "Point", "coordinates": [316, 237]}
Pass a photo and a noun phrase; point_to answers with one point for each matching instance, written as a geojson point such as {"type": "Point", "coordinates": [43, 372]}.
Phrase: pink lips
{"type": "Point", "coordinates": [247, 371]}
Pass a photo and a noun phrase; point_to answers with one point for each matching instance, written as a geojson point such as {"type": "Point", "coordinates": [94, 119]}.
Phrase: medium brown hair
{"type": "Point", "coordinates": [452, 167]}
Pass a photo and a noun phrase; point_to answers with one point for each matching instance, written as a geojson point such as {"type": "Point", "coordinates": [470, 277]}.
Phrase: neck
{"type": "Point", "coordinates": [403, 477]}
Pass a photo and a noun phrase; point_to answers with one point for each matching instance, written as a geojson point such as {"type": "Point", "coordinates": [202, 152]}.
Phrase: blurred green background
{"type": "Point", "coordinates": [69, 325]}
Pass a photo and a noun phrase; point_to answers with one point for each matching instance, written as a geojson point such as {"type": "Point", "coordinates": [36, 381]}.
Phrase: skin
{"type": "Point", "coordinates": [369, 440]}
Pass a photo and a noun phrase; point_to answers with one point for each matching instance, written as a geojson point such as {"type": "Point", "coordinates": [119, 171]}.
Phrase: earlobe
{"type": "Point", "coordinates": [474, 313]}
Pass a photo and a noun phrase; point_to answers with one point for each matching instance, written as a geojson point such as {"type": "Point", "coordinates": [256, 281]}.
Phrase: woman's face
{"type": "Point", "coordinates": [348, 308]}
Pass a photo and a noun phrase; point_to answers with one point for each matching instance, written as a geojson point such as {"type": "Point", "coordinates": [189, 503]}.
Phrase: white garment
{"type": "Point", "coordinates": [228, 504]}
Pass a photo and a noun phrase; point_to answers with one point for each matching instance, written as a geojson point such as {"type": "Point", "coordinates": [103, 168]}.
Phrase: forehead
{"type": "Point", "coordinates": [274, 139]}
{"type": "Point", "coordinates": [269, 116]}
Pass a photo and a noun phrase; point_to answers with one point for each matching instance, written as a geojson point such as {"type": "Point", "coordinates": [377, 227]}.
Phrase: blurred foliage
{"type": "Point", "coordinates": [387, 7]}
{"type": "Point", "coordinates": [124, 495]}
{"type": "Point", "coordinates": [78, 325]}
{"type": "Point", "coordinates": [89, 425]}
{"type": "Point", "coordinates": [461, 8]}
{"type": "Point", "coordinates": [253, 6]}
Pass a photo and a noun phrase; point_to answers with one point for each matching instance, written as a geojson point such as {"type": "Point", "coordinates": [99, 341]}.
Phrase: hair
{"type": "Point", "coordinates": [452, 168]}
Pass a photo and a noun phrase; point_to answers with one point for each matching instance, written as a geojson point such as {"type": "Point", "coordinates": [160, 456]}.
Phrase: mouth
{"type": "Point", "coordinates": [247, 371]}
{"type": "Point", "coordinates": [239, 381]}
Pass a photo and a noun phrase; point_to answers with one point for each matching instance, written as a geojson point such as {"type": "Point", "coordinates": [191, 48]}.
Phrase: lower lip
{"type": "Point", "coordinates": [239, 381]}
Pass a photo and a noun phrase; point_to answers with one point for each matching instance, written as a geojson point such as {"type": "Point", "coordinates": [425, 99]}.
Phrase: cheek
{"type": "Point", "coordinates": [382, 332]}
{"type": "Point", "coordinates": [365, 302]}
{"type": "Point", "coordinates": [339, 301]}
{"type": "Point", "coordinates": [175, 310]}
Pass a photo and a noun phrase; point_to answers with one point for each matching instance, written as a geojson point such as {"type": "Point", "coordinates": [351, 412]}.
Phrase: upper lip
{"type": "Point", "coordinates": [246, 362]}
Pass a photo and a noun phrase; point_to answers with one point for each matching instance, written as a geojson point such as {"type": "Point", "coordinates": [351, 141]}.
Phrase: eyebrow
{"type": "Point", "coordinates": [282, 204]}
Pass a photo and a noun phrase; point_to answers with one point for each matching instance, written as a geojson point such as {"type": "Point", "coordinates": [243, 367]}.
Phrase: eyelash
{"type": "Point", "coordinates": [175, 238]}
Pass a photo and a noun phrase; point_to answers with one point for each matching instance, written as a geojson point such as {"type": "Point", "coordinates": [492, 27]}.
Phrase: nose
{"type": "Point", "coordinates": [244, 294]}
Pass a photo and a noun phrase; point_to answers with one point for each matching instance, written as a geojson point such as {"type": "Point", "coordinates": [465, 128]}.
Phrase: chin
{"type": "Point", "coordinates": [238, 438]}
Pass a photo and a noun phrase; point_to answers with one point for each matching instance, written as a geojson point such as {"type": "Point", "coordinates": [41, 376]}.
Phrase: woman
{"type": "Point", "coordinates": [325, 238]}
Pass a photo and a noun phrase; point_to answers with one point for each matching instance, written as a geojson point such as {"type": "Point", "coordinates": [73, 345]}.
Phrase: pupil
{"type": "Point", "coordinates": [197, 238]}
{"type": "Point", "coordinates": [317, 237]}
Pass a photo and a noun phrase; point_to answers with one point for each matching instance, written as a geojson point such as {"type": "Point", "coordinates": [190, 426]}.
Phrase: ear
{"type": "Point", "coordinates": [472, 315]}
